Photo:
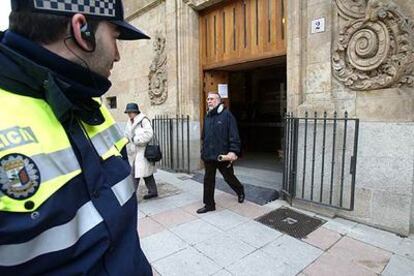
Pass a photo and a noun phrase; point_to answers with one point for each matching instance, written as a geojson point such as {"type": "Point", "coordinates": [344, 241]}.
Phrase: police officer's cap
{"type": "Point", "coordinates": [109, 10]}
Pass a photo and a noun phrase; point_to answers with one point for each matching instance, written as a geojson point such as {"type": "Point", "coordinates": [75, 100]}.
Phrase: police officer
{"type": "Point", "coordinates": [67, 204]}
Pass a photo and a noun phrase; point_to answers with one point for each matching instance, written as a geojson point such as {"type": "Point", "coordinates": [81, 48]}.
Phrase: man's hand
{"type": "Point", "coordinates": [233, 156]}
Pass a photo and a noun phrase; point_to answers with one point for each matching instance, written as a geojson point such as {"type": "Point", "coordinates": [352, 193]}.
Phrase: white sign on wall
{"type": "Point", "coordinates": [318, 25]}
{"type": "Point", "coordinates": [223, 90]}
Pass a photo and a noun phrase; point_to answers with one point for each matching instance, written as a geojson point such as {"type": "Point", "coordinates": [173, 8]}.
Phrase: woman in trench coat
{"type": "Point", "coordinates": [139, 132]}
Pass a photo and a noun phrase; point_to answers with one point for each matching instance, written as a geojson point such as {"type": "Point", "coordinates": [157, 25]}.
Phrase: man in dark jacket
{"type": "Point", "coordinates": [221, 146]}
{"type": "Point", "coordinates": [67, 201]}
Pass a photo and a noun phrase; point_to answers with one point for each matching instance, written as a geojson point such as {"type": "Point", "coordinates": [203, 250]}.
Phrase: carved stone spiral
{"type": "Point", "coordinates": [376, 51]}
{"type": "Point", "coordinates": [369, 45]}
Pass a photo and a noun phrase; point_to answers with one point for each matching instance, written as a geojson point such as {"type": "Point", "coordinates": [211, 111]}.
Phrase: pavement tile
{"type": "Point", "coordinates": [155, 273]}
{"type": "Point", "coordinates": [406, 249]}
{"type": "Point", "coordinates": [141, 215]}
{"type": "Point", "coordinates": [226, 200]}
{"type": "Point", "coordinates": [362, 254]}
{"type": "Point", "coordinates": [196, 231]}
{"type": "Point", "coordinates": [340, 225]}
{"type": "Point", "coordinates": [155, 206]}
{"type": "Point", "coordinates": [147, 227]}
{"type": "Point", "coordinates": [329, 265]}
{"type": "Point", "coordinates": [161, 245]}
{"type": "Point", "coordinates": [378, 238]}
{"type": "Point", "coordinates": [249, 210]}
{"type": "Point", "coordinates": [399, 266]}
{"type": "Point", "coordinates": [181, 199]}
{"type": "Point", "coordinates": [276, 204]}
{"type": "Point", "coordinates": [188, 262]}
{"type": "Point", "coordinates": [323, 238]}
{"type": "Point", "coordinates": [295, 253]}
{"type": "Point", "coordinates": [254, 233]}
{"type": "Point", "coordinates": [173, 217]}
{"type": "Point", "coordinates": [224, 250]}
{"type": "Point", "coordinates": [223, 272]}
{"type": "Point", "coordinates": [261, 264]}
{"type": "Point", "coordinates": [224, 219]}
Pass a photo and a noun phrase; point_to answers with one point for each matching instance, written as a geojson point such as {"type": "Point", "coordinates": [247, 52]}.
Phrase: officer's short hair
{"type": "Point", "coordinates": [42, 28]}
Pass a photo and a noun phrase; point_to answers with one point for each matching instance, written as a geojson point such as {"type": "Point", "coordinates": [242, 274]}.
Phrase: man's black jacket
{"type": "Point", "coordinates": [220, 134]}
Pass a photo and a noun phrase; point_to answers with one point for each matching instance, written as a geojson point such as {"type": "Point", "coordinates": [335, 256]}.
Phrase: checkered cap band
{"type": "Point", "coordinates": [105, 8]}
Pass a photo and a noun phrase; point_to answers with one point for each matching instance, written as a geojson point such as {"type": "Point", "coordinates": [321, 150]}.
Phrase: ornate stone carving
{"type": "Point", "coordinates": [351, 8]}
{"type": "Point", "coordinates": [158, 72]}
{"type": "Point", "coordinates": [377, 50]}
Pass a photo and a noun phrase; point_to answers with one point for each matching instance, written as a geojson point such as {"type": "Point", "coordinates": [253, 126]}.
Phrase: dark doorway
{"type": "Point", "coordinates": [258, 101]}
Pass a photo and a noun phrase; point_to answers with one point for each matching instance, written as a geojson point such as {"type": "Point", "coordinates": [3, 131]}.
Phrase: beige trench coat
{"type": "Point", "coordinates": [139, 134]}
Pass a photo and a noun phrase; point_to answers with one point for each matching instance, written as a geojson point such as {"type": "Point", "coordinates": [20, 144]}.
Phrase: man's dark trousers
{"type": "Point", "coordinates": [210, 180]}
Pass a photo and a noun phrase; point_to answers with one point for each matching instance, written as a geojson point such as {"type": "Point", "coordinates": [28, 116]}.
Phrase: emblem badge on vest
{"type": "Point", "coordinates": [19, 176]}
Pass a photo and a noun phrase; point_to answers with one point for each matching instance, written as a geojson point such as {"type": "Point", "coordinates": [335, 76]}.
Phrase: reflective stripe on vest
{"type": "Point", "coordinates": [107, 138]}
{"type": "Point", "coordinates": [65, 235]}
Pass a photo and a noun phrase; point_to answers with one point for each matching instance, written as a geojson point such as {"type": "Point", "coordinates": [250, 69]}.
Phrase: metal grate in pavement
{"type": "Point", "coordinates": [293, 223]}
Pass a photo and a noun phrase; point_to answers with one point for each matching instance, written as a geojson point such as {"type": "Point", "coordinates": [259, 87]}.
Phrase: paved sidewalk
{"type": "Point", "coordinates": [228, 241]}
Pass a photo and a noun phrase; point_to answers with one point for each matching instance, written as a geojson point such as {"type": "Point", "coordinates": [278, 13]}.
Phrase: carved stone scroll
{"type": "Point", "coordinates": [376, 50]}
{"type": "Point", "coordinates": [158, 91]}
{"type": "Point", "coordinates": [351, 8]}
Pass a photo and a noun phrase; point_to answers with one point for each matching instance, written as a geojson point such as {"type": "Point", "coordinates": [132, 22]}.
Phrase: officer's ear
{"type": "Point", "coordinates": [81, 33]}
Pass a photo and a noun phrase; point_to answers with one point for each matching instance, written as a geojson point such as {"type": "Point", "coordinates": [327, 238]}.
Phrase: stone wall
{"type": "Point", "coordinates": [347, 68]}
{"type": "Point", "coordinates": [161, 74]}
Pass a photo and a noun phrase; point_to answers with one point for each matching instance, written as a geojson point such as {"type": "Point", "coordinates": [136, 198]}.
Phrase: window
{"type": "Point", "coordinates": [111, 102]}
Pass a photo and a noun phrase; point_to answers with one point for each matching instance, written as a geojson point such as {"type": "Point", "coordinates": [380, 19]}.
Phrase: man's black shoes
{"type": "Point", "coordinates": [148, 196]}
{"type": "Point", "coordinates": [206, 209]}
{"type": "Point", "coordinates": [241, 197]}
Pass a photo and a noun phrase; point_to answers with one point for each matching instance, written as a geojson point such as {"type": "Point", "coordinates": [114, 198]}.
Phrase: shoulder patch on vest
{"type": "Point", "coordinates": [19, 176]}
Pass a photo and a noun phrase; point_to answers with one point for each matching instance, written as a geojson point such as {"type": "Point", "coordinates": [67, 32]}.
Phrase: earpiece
{"type": "Point", "coordinates": [87, 34]}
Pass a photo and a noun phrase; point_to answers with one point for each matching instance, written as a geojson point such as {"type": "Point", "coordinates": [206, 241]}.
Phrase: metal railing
{"type": "Point", "coordinates": [318, 154]}
{"type": "Point", "coordinates": [173, 134]}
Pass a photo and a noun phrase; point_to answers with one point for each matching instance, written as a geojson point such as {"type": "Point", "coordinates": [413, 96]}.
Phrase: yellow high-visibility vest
{"type": "Point", "coordinates": [36, 157]}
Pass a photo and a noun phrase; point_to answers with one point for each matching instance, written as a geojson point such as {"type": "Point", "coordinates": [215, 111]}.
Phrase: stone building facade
{"type": "Point", "coordinates": [360, 60]}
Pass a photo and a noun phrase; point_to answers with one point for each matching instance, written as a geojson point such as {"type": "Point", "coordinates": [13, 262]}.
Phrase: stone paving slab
{"type": "Point", "coordinates": [196, 231]}
{"type": "Point", "coordinates": [406, 249]}
{"type": "Point", "coordinates": [361, 254]}
{"type": "Point", "coordinates": [222, 272]}
{"type": "Point", "coordinates": [323, 238]}
{"type": "Point", "coordinates": [182, 199]}
{"type": "Point", "coordinates": [147, 227]}
{"type": "Point", "coordinates": [254, 233]}
{"type": "Point", "coordinates": [161, 245]}
{"type": "Point", "coordinates": [329, 265]}
{"type": "Point", "coordinates": [173, 217]}
{"type": "Point", "coordinates": [155, 206]}
{"type": "Point", "coordinates": [399, 266]}
{"type": "Point", "coordinates": [188, 262]}
{"type": "Point", "coordinates": [376, 237]}
{"type": "Point", "coordinates": [260, 263]}
{"type": "Point", "coordinates": [225, 219]}
{"type": "Point", "coordinates": [249, 210]}
{"type": "Point", "coordinates": [340, 225]}
{"type": "Point", "coordinates": [224, 250]}
{"type": "Point", "coordinates": [293, 252]}
{"type": "Point", "coordinates": [177, 241]}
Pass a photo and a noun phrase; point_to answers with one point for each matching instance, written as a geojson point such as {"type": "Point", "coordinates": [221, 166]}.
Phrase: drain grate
{"type": "Point", "coordinates": [293, 223]}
